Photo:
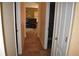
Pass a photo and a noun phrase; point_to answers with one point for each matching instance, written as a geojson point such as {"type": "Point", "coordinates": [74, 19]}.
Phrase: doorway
{"type": "Point", "coordinates": [32, 44]}
{"type": "Point", "coordinates": [31, 31]}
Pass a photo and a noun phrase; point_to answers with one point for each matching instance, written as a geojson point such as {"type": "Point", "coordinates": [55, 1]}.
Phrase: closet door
{"type": "Point", "coordinates": [63, 22]}
{"type": "Point", "coordinates": [56, 27]}
{"type": "Point", "coordinates": [60, 33]}
{"type": "Point", "coordinates": [67, 22]}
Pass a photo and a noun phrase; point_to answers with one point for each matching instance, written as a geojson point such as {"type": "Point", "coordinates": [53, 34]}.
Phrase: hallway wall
{"type": "Point", "coordinates": [42, 16]}
{"type": "Point", "coordinates": [23, 22]}
{"type": "Point", "coordinates": [74, 43]}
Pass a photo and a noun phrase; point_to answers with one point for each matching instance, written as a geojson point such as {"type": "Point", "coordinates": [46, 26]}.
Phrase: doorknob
{"type": "Point", "coordinates": [66, 39]}
{"type": "Point", "coordinates": [56, 38]}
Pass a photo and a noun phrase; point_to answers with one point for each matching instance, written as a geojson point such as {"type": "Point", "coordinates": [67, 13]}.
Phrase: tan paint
{"type": "Point", "coordinates": [23, 21]}
{"type": "Point", "coordinates": [74, 43]}
{"type": "Point", "coordinates": [42, 13]}
{"type": "Point", "coordinates": [31, 11]}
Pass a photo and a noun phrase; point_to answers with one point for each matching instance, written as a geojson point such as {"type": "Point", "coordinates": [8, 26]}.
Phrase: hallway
{"type": "Point", "coordinates": [32, 46]}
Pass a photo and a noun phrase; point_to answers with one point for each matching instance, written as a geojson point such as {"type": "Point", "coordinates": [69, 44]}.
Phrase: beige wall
{"type": "Point", "coordinates": [23, 21]}
{"type": "Point", "coordinates": [42, 14]}
{"type": "Point", "coordinates": [74, 43]}
{"type": "Point", "coordinates": [30, 12]}
{"type": "Point", "coordinates": [9, 30]}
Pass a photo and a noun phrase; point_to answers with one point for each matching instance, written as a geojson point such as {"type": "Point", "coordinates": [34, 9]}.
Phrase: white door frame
{"type": "Point", "coordinates": [46, 24]}
{"type": "Point", "coordinates": [56, 16]}
{"type": "Point", "coordinates": [18, 19]}
{"type": "Point", "coordinates": [57, 5]}
{"type": "Point", "coordinates": [70, 29]}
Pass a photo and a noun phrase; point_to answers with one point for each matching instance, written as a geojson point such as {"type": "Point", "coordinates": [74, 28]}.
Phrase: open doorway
{"type": "Point", "coordinates": [32, 44]}
{"type": "Point", "coordinates": [32, 24]}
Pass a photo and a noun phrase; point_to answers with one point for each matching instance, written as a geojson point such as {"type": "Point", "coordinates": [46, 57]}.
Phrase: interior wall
{"type": "Point", "coordinates": [74, 43]}
{"type": "Point", "coordinates": [41, 15]}
{"type": "Point", "coordinates": [23, 22]}
{"type": "Point", "coordinates": [31, 11]}
{"type": "Point", "coordinates": [9, 28]}
{"type": "Point", "coordinates": [2, 49]}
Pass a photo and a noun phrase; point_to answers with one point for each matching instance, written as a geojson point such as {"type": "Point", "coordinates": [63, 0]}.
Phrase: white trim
{"type": "Point", "coordinates": [14, 26]}
{"type": "Point", "coordinates": [53, 39]}
{"type": "Point", "coordinates": [58, 23]}
{"type": "Point", "coordinates": [18, 18]}
{"type": "Point", "coordinates": [70, 30]}
{"type": "Point", "coordinates": [46, 24]}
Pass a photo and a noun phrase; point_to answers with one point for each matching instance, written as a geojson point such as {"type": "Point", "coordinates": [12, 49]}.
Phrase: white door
{"type": "Point", "coordinates": [46, 24]}
{"type": "Point", "coordinates": [62, 26]}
